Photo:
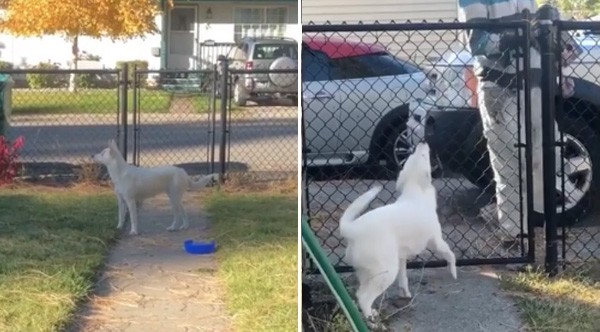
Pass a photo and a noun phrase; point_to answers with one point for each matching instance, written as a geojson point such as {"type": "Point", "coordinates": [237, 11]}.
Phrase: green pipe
{"type": "Point", "coordinates": [310, 242]}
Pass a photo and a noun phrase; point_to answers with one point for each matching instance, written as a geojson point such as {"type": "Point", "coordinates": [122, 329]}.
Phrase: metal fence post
{"type": "Point", "coordinates": [123, 85]}
{"type": "Point", "coordinates": [134, 101]}
{"type": "Point", "coordinates": [547, 47]}
{"type": "Point", "coordinates": [224, 99]}
{"type": "Point", "coordinates": [213, 115]}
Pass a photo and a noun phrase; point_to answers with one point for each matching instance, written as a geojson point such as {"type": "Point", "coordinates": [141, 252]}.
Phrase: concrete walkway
{"type": "Point", "coordinates": [473, 303]}
{"type": "Point", "coordinates": [152, 284]}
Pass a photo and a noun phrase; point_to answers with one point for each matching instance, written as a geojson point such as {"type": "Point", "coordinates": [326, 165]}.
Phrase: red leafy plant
{"type": "Point", "coordinates": [9, 159]}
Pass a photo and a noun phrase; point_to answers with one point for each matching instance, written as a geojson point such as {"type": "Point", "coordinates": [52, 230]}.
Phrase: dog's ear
{"type": "Point", "coordinates": [112, 144]}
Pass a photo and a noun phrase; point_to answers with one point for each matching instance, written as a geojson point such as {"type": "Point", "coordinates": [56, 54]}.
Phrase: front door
{"type": "Point", "coordinates": [182, 38]}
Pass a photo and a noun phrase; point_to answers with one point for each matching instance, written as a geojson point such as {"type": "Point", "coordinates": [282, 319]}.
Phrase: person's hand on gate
{"type": "Point", "coordinates": [567, 87]}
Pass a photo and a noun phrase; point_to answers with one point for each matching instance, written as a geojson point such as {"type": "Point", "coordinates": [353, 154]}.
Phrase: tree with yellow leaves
{"type": "Point", "coordinates": [115, 19]}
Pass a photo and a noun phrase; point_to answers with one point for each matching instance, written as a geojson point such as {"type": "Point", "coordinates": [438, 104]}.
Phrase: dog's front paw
{"type": "Point", "coordinates": [133, 232]}
{"type": "Point", "coordinates": [184, 227]}
{"type": "Point", "coordinates": [119, 226]}
{"type": "Point", "coordinates": [171, 228]}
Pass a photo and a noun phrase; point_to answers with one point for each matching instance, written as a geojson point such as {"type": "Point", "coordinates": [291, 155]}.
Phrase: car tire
{"type": "Point", "coordinates": [578, 136]}
{"type": "Point", "coordinates": [238, 96]}
{"type": "Point", "coordinates": [396, 147]}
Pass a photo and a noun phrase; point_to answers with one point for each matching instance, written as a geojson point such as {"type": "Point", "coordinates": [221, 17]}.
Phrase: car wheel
{"type": "Point", "coordinates": [581, 153]}
{"type": "Point", "coordinates": [581, 169]}
{"type": "Point", "coordinates": [397, 147]}
{"type": "Point", "coordinates": [238, 96]}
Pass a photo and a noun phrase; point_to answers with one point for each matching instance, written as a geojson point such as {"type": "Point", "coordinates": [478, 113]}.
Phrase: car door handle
{"type": "Point", "coordinates": [323, 95]}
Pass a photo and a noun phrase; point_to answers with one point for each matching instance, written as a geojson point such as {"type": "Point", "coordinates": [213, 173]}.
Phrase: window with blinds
{"type": "Point", "coordinates": [259, 22]}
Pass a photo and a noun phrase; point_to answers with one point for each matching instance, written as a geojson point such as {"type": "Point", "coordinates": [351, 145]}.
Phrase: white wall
{"type": "Point", "coordinates": [368, 11]}
{"type": "Point", "coordinates": [416, 45]}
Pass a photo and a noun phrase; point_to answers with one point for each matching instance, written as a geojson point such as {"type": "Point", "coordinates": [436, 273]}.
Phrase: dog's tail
{"type": "Point", "coordinates": [203, 182]}
{"type": "Point", "coordinates": [355, 209]}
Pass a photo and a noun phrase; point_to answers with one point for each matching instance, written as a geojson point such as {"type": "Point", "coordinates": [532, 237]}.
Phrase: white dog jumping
{"type": "Point", "coordinates": [134, 184]}
{"type": "Point", "coordinates": [381, 240]}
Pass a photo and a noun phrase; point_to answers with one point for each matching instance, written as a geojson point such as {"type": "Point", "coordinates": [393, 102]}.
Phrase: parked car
{"type": "Point", "coordinates": [449, 120]}
{"type": "Point", "coordinates": [355, 98]}
{"type": "Point", "coordinates": [266, 53]}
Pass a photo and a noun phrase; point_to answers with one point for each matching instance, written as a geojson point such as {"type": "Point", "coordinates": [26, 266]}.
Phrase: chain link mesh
{"type": "Point", "coordinates": [61, 127]}
{"type": "Point", "coordinates": [172, 119]}
{"type": "Point", "coordinates": [577, 114]}
{"type": "Point", "coordinates": [263, 131]}
{"type": "Point", "coordinates": [369, 95]}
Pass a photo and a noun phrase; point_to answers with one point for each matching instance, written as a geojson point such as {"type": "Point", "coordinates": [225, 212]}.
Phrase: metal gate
{"type": "Point", "coordinates": [354, 119]}
{"type": "Point", "coordinates": [173, 118]}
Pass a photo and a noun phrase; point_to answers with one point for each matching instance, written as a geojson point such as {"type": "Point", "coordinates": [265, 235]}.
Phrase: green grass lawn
{"type": "Point", "coordinates": [257, 235]}
{"type": "Point", "coordinates": [567, 303]}
{"type": "Point", "coordinates": [52, 242]}
{"type": "Point", "coordinates": [202, 104]}
{"type": "Point", "coordinates": [26, 101]}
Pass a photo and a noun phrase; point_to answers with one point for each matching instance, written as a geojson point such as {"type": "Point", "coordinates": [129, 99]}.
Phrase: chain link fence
{"type": "Point", "coordinates": [62, 127]}
{"type": "Point", "coordinates": [577, 112]}
{"type": "Point", "coordinates": [372, 91]}
{"type": "Point", "coordinates": [159, 117]}
{"type": "Point", "coordinates": [263, 137]}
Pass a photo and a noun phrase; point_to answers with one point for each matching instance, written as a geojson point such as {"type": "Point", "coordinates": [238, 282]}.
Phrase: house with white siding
{"type": "Point", "coordinates": [185, 31]}
{"type": "Point", "coordinates": [416, 45]}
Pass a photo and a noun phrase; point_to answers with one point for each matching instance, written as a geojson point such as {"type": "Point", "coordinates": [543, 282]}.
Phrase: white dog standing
{"type": "Point", "coordinates": [134, 184]}
{"type": "Point", "coordinates": [381, 240]}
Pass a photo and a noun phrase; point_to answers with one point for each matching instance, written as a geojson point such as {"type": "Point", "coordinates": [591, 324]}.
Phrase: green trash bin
{"type": "Point", "coordinates": [6, 86]}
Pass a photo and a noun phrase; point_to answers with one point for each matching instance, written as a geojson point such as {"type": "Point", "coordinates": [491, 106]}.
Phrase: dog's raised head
{"type": "Point", "coordinates": [108, 155]}
{"type": "Point", "coordinates": [416, 171]}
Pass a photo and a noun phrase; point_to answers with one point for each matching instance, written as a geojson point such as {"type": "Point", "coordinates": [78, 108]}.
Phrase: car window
{"type": "Point", "coordinates": [373, 65]}
{"type": "Point", "coordinates": [274, 51]}
{"type": "Point", "coordinates": [316, 66]}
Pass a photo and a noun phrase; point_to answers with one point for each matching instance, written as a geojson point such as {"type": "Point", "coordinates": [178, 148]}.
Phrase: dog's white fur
{"type": "Point", "coordinates": [381, 240]}
{"type": "Point", "coordinates": [135, 184]}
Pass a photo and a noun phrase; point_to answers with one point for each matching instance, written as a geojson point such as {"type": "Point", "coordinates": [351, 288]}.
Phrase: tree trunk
{"type": "Point", "coordinates": [75, 56]}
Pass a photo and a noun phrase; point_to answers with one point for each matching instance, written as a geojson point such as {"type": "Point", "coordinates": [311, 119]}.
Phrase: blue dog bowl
{"type": "Point", "coordinates": [199, 248]}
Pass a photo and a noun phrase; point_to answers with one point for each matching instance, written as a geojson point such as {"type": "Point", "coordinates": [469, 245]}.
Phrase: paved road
{"type": "Point", "coordinates": [262, 138]}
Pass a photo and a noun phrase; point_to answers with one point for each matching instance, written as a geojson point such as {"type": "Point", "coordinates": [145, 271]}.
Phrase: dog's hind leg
{"type": "Point", "coordinates": [133, 214]}
{"type": "Point", "coordinates": [122, 211]}
{"type": "Point", "coordinates": [371, 287]}
{"type": "Point", "coordinates": [175, 198]}
{"type": "Point", "coordinates": [442, 247]}
{"type": "Point", "coordinates": [184, 217]}
{"type": "Point", "coordinates": [403, 279]}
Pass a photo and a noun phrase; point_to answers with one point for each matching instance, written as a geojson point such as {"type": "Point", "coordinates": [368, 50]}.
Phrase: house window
{"type": "Point", "coordinates": [259, 22]}
{"type": "Point", "coordinates": [183, 19]}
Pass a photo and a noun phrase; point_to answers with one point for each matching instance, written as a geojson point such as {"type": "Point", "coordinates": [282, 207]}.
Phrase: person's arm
{"type": "Point", "coordinates": [484, 43]}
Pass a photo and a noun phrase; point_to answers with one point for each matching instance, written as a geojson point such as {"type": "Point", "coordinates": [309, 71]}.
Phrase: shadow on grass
{"type": "Point", "coordinates": [257, 235]}
{"type": "Point", "coordinates": [52, 243]}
